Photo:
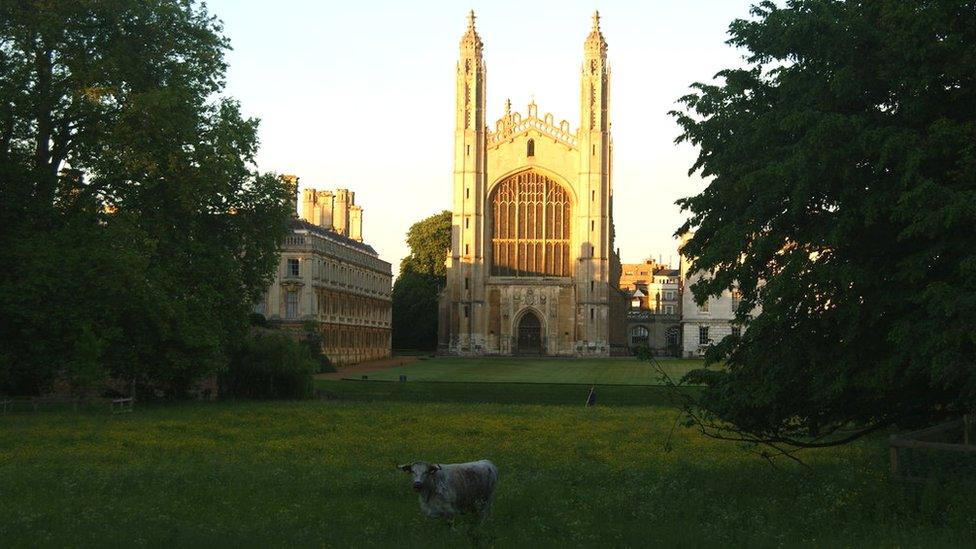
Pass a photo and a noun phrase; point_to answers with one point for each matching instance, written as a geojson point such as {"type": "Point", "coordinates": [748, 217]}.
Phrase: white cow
{"type": "Point", "coordinates": [451, 489]}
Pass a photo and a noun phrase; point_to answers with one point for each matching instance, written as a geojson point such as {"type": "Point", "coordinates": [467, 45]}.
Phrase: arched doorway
{"type": "Point", "coordinates": [529, 335]}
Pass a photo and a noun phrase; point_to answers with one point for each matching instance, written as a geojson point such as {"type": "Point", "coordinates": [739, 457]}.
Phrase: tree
{"type": "Point", "coordinates": [841, 204]}
{"type": "Point", "coordinates": [134, 221]}
{"type": "Point", "coordinates": [422, 275]}
{"type": "Point", "coordinates": [429, 240]}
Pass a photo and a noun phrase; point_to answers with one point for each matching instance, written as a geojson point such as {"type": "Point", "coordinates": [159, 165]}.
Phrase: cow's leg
{"type": "Point", "coordinates": [484, 510]}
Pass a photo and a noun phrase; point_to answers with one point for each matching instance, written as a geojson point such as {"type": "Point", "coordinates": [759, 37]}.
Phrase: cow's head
{"type": "Point", "coordinates": [421, 472]}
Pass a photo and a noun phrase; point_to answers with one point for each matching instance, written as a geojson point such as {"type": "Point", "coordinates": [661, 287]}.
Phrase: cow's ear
{"type": "Point", "coordinates": [405, 467]}
{"type": "Point", "coordinates": [433, 467]}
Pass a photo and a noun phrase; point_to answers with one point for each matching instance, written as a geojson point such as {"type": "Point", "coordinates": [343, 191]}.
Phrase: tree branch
{"type": "Point", "coordinates": [718, 431]}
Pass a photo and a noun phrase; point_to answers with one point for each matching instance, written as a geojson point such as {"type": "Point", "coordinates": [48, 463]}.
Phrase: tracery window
{"type": "Point", "coordinates": [530, 227]}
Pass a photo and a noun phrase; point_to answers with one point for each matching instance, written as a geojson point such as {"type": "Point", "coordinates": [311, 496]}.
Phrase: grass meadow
{"type": "Point", "coordinates": [321, 473]}
{"type": "Point", "coordinates": [601, 371]}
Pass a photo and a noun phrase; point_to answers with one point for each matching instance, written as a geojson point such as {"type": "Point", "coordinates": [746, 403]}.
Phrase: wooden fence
{"type": "Point", "coordinates": [922, 439]}
{"type": "Point", "coordinates": [34, 404]}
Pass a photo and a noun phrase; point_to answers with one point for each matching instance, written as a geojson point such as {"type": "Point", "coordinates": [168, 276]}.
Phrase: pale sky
{"type": "Point", "coordinates": [360, 95]}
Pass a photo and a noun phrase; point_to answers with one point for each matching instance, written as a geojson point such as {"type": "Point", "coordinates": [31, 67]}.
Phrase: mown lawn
{"type": "Point", "coordinates": [322, 473]}
{"type": "Point", "coordinates": [601, 371]}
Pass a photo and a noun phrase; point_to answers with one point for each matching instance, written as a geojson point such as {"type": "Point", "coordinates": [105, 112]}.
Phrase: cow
{"type": "Point", "coordinates": [450, 489]}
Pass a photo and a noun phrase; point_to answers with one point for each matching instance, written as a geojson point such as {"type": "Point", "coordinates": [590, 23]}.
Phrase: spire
{"type": "Point", "coordinates": [508, 107]}
{"type": "Point", "coordinates": [470, 80]}
{"type": "Point", "coordinates": [471, 41]}
{"type": "Point", "coordinates": [595, 42]}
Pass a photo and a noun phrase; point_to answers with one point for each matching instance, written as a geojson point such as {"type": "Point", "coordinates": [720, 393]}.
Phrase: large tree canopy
{"type": "Point", "coordinates": [134, 229]}
{"type": "Point", "coordinates": [841, 204]}
{"type": "Point", "coordinates": [422, 275]}
{"type": "Point", "coordinates": [429, 240]}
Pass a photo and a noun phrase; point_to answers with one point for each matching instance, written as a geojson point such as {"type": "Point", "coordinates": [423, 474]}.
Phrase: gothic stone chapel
{"type": "Point", "coordinates": [532, 268]}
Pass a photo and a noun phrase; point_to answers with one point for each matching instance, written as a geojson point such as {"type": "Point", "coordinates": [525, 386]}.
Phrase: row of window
{"type": "Point", "coordinates": [353, 306]}
{"type": "Point", "coordinates": [703, 334]}
{"type": "Point", "coordinates": [337, 273]}
{"type": "Point", "coordinates": [640, 336]}
{"type": "Point", "coordinates": [667, 295]}
{"type": "Point", "coordinates": [339, 304]}
{"type": "Point", "coordinates": [638, 304]}
{"type": "Point", "coordinates": [352, 337]}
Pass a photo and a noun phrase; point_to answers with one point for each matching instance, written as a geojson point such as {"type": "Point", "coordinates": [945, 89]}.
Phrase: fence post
{"type": "Point", "coordinates": [894, 455]}
{"type": "Point", "coordinates": [967, 426]}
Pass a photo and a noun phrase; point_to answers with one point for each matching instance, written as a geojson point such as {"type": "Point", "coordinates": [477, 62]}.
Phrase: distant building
{"type": "Point", "coordinates": [654, 314]}
{"type": "Point", "coordinates": [702, 325]}
{"type": "Point", "coordinates": [662, 314]}
{"type": "Point", "coordinates": [328, 277]}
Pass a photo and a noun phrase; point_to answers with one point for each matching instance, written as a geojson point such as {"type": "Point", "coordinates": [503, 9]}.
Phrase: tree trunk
{"type": "Point", "coordinates": [43, 114]}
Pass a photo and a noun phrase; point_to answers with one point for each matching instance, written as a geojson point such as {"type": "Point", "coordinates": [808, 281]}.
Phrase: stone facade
{"type": "Point", "coordinates": [532, 268]}
{"type": "Point", "coordinates": [331, 280]}
{"type": "Point", "coordinates": [659, 333]}
{"type": "Point", "coordinates": [653, 287]}
{"type": "Point", "coordinates": [654, 315]}
{"type": "Point", "coordinates": [709, 323]}
{"type": "Point", "coordinates": [702, 326]}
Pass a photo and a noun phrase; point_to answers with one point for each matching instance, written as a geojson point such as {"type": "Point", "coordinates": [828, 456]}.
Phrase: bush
{"type": "Point", "coordinates": [643, 352]}
{"type": "Point", "coordinates": [83, 372]}
{"type": "Point", "coordinates": [270, 366]}
{"type": "Point", "coordinates": [313, 341]}
{"type": "Point", "coordinates": [324, 364]}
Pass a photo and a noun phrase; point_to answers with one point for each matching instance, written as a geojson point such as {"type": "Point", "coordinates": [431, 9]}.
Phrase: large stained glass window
{"type": "Point", "coordinates": [530, 216]}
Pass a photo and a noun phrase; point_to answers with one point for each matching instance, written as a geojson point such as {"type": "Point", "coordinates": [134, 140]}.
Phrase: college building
{"type": "Point", "coordinates": [329, 279]}
{"type": "Point", "coordinates": [654, 311]}
{"type": "Point", "coordinates": [708, 323]}
{"type": "Point", "coordinates": [662, 315]}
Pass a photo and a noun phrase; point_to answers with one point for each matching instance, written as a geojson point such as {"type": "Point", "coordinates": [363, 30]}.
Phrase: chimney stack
{"type": "Point", "coordinates": [308, 205]}
{"type": "Point", "coordinates": [336, 211]}
{"type": "Point", "coordinates": [324, 209]}
{"type": "Point", "coordinates": [340, 212]}
{"type": "Point", "coordinates": [356, 223]}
